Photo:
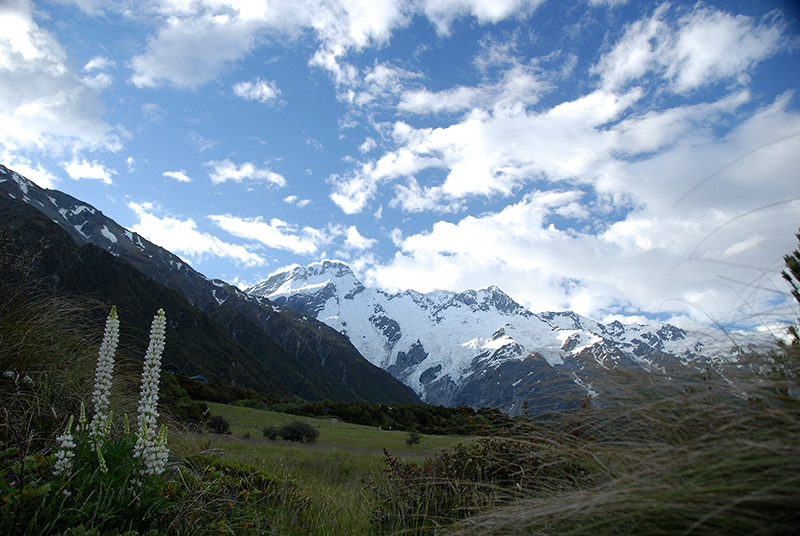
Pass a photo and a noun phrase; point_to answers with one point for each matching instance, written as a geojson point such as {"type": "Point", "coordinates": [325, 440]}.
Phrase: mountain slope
{"type": "Point", "coordinates": [196, 343]}
{"type": "Point", "coordinates": [312, 360]}
{"type": "Point", "coordinates": [480, 347]}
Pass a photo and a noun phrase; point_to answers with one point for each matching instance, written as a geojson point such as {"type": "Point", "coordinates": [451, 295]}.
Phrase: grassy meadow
{"type": "Point", "coordinates": [333, 473]}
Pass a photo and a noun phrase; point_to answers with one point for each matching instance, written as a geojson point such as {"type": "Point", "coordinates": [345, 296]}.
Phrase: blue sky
{"type": "Point", "coordinates": [616, 158]}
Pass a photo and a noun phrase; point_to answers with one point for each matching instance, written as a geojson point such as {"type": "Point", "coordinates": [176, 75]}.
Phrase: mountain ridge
{"type": "Point", "coordinates": [480, 347]}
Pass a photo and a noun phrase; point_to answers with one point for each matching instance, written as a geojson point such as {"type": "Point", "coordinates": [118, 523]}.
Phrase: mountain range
{"type": "Point", "coordinates": [214, 329]}
{"type": "Point", "coordinates": [481, 348]}
{"type": "Point", "coordinates": [317, 332]}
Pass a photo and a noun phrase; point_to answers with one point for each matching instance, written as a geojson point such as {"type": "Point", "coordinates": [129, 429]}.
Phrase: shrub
{"type": "Point", "coordinates": [219, 424]}
{"type": "Point", "coordinates": [299, 431]}
{"type": "Point", "coordinates": [413, 438]}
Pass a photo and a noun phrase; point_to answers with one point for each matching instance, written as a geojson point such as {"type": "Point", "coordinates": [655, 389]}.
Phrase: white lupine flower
{"type": "Point", "coordinates": [103, 376]}
{"type": "Point", "coordinates": [147, 448]}
{"type": "Point", "coordinates": [66, 451]}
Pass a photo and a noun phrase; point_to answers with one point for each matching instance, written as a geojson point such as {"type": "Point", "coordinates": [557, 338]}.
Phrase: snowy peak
{"type": "Point", "coordinates": [490, 298]}
{"type": "Point", "coordinates": [476, 347]}
{"type": "Point", "coordinates": [308, 279]}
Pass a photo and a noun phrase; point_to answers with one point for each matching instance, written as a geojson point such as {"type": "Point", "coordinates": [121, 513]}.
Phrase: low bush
{"type": "Point", "coordinates": [219, 424]}
{"type": "Point", "coordinates": [298, 431]}
{"type": "Point", "coordinates": [413, 438]}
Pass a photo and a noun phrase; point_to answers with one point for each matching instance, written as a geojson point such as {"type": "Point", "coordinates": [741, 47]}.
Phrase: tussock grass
{"type": "Point", "coordinates": [720, 457]}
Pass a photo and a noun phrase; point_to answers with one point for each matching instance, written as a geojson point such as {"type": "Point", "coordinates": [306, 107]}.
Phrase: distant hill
{"type": "Point", "coordinates": [214, 329]}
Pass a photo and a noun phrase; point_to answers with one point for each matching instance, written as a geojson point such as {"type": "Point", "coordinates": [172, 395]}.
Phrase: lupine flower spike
{"type": "Point", "coordinates": [103, 376]}
{"type": "Point", "coordinates": [82, 419]}
{"type": "Point", "coordinates": [147, 449]}
{"type": "Point", "coordinates": [66, 450]}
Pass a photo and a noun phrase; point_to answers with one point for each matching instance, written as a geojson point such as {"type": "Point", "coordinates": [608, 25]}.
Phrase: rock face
{"type": "Point", "coordinates": [313, 360]}
{"type": "Point", "coordinates": [480, 347]}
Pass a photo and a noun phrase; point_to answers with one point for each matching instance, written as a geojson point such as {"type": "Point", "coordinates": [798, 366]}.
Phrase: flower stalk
{"type": "Point", "coordinates": [149, 450]}
{"type": "Point", "coordinates": [102, 379]}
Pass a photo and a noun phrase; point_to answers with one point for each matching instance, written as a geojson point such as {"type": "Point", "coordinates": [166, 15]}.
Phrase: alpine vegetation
{"type": "Point", "coordinates": [122, 470]}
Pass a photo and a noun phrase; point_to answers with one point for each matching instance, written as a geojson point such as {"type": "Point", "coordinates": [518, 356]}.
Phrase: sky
{"type": "Point", "coordinates": [621, 159]}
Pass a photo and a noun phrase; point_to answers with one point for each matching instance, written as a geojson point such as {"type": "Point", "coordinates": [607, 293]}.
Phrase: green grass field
{"type": "Point", "coordinates": [333, 474]}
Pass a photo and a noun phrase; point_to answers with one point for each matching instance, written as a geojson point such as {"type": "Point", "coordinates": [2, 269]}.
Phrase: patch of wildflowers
{"type": "Point", "coordinates": [103, 376]}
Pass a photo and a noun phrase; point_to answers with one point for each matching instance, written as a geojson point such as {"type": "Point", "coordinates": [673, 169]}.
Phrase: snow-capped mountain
{"type": "Point", "coordinates": [480, 347]}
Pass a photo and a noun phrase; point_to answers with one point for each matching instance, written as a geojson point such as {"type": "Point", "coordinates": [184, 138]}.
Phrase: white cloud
{"type": "Point", "coordinates": [377, 83]}
{"type": "Point", "coordinates": [275, 234]}
{"type": "Point", "coordinates": [183, 238]}
{"type": "Point", "coordinates": [444, 12]}
{"type": "Point", "coordinates": [153, 112]}
{"type": "Point", "coordinates": [198, 40]}
{"type": "Point", "coordinates": [490, 154]}
{"type": "Point", "coordinates": [225, 170]}
{"type": "Point", "coordinates": [355, 240]}
{"type": "Point", "coordinates": [100, 63]}
{"type": "Point", "coordinates": [422, 101]}
{"type": "Point", "coordinates": [634, 54]}
{"type": "Point", "coordinates": [520, 86]}
{"type": "Point", "coordinates": [294, 200]}
{"type": "Point", "coordinates": [263, 91]}
{"type": "Point", "coordinates": [712, 45]}
{"type": "Point", "coordinates": [705, 46]}
{"type": "Point", "coordinates": [368, 145]}
{"type": "Point", "coordinates": [203, 144]}
{"type": "Point", "coordinates": [179, 176]}
{"type": "Point", "coordinates": [89, 170]}
{"type": "Point", "coordinates": [33, 171]}
{"type": "Point", "coordinates": [97, 82]}
{"type": "Point", "coordinates": [700, 255]}
{"type": "Point", "coordinates": [607, 2]}
{"type": "Point", "coordinates": [189, 51]}
{"type": "Point", "coordinates": [45, 106]}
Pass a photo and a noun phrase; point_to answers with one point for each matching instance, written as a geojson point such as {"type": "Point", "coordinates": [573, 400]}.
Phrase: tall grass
{"type": "Point", "coordinates": [720, 457]}
{"type": "Point", "coordinates": [46, 353]}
